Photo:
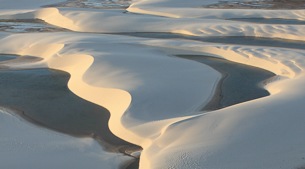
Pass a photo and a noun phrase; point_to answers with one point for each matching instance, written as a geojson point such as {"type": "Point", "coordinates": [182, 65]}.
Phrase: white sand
{"type": "Point", "coordinates": [154, 97]}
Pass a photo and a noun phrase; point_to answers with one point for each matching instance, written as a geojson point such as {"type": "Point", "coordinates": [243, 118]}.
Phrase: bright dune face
{"type": "Point", "coordinates": [155, 98]}
{"type": "Point", "coordinates": [86, 68]}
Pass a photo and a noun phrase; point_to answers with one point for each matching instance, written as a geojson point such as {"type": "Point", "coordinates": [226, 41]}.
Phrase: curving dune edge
{"type": "Point", "coordinates": [154, 97]}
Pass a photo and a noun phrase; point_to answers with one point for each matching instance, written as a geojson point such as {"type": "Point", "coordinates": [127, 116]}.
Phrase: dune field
{"type": "Point", "coordinates": [152, 84]}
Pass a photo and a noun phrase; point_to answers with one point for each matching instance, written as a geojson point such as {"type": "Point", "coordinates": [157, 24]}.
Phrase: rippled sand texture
{"type": "Point", "coordinates": [124, 58]}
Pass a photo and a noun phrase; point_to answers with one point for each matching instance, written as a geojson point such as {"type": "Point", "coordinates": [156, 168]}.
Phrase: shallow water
{"type": "Point", "coordinates": [240, 83]}
{"type": "Point", "coordinates": [4, 57]}
{"type": "Point", "coordinates": [42, 97]}
{"type": "Point", "coordinates": [28, 25]}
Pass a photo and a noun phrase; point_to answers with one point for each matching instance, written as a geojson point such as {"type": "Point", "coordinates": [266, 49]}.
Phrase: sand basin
{"type": "Point", "coordinates": [41, 96]}
{"type": "Point", "coordinates": [240, 83]}
{"type": "Point", "coordinates": [152, 96]}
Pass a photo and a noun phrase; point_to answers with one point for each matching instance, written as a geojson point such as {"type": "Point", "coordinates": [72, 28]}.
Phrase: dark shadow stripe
{"type": "Point", "coordinates": [270, 21]}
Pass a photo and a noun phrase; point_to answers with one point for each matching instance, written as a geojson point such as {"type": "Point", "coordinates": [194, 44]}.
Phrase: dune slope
{"type": "Point", "coordinates": [153, 96]}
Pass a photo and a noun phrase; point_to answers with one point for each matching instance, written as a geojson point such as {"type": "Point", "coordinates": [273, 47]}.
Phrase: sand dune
{"type": "Point", "coordinates": [81, 20]}
{"type": "Point", "coordinates": [153, 96]}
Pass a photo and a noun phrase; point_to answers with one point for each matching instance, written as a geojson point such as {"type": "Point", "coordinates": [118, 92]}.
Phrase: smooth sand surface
{"type": "Point", "coordinates": [153, 97]}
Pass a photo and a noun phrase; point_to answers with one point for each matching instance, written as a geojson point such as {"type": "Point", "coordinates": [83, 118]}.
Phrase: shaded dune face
{"type": "Point", "coordinates": [42, 97]}
{"type": "Point", "coordinates": [195, 140]}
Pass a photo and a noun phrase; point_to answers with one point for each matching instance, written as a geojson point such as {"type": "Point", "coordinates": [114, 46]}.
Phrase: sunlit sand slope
{"type": "Point", "coordinates": [155, 98]}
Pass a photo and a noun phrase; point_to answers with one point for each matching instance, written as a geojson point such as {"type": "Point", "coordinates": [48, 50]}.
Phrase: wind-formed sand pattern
{"type": "Point", "coordinates": [152, 84]}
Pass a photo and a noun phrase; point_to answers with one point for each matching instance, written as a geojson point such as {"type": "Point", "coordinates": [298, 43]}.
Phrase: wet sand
{"type": "Point", "coordinates": [240, 83]}
{"type": "Point", "coordinates": [42, 97]}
